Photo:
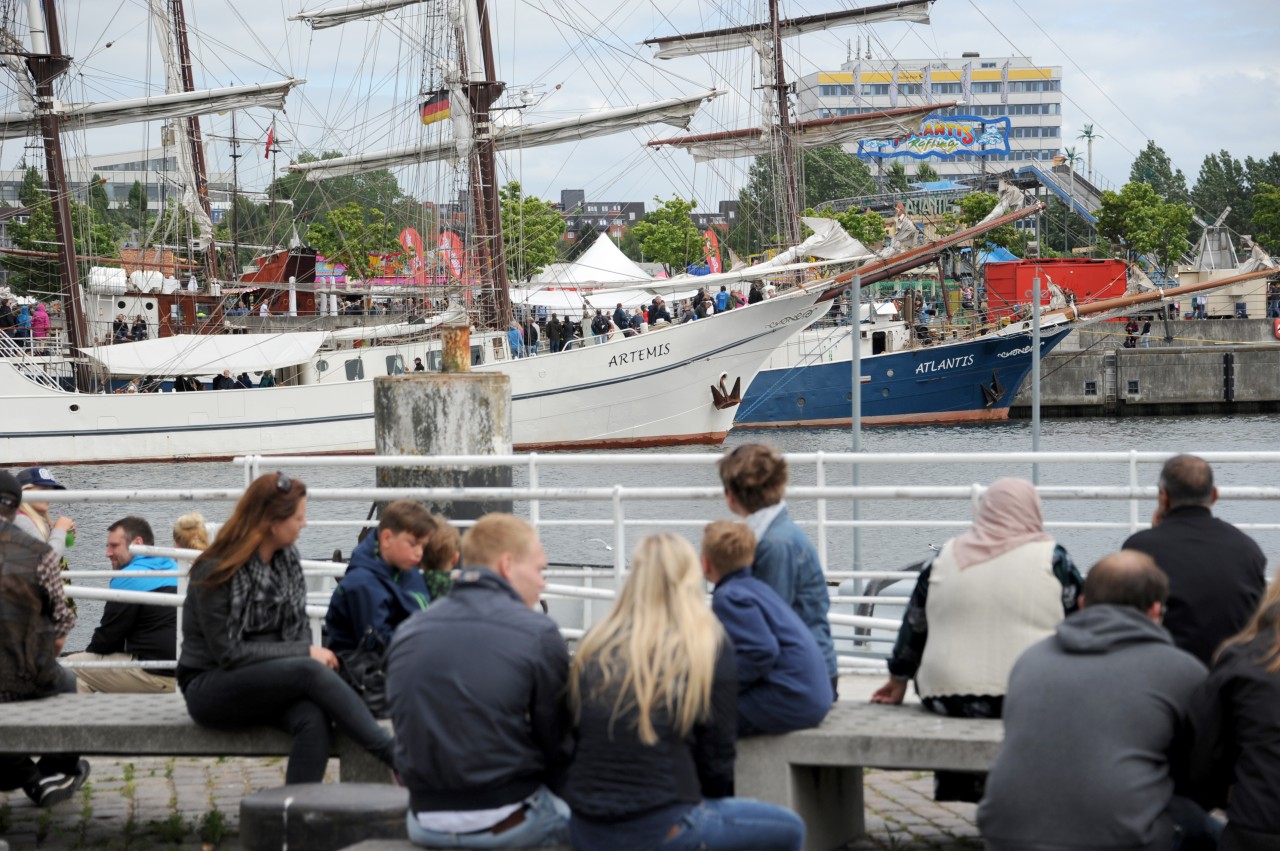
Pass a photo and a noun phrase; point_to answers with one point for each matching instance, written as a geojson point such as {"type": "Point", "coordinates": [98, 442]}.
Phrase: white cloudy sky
{"type": "Point", "coordinates": [1194, 76]}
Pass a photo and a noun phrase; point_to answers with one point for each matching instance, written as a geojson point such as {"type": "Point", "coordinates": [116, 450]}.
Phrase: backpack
{"type": "Point", "coordinates": [600, 325]}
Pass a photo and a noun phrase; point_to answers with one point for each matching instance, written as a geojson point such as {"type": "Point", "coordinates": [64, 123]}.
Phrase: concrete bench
{"type": "Point", "coordinates": [818, 773]}
{"type": "Point", "coordinates": [151, 725]}
{"type": "Point", "coordinates": [406, 845]}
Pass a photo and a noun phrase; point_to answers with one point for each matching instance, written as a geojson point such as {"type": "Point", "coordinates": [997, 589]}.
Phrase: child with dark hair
{"type": "Point", "coordinates": [382, 586]}
{"type": "Point", "coordinates": [782, 676]}
{"type": "Point", "coordinates": [440, 557]}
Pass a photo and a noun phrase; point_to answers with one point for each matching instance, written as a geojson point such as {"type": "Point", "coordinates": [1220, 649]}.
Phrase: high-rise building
{"type": "Point", "coordinates": [988, 89]}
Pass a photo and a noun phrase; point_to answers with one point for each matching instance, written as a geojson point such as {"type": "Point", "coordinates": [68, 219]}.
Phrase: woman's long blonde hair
{"type": "Point", "coordinates": [190, 533]}
{"type": "Point", "coordinates": [1265, 623]}
{"type": "Point", "coordinates": [658, 645]}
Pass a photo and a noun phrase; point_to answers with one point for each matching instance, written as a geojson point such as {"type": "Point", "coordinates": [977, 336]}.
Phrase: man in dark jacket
{"type": "Point", "coordinates": [1216, 572]}
{"type": "Point", "coordinates": [554, 334]}
{"type": "Point", "coordinates": [133, 632]}
{"type": "Point", "coordinates": [1093, 717]}
{"type": "Point", "coordinates": [34, 623]}
{"type": "Point", "coordinates": [476, 685]}
{"type": "Point", "coordinates": [619, 316]}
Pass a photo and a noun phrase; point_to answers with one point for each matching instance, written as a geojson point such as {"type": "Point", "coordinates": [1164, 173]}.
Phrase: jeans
{"type": "Point", "coordinates": [546, 822]}
{"type": "Point", "coordinates": [731, 824]}
{"type": "Point", "coordinates": [19, 771]}
{"type": "Point", "coordinates": [296, 694]}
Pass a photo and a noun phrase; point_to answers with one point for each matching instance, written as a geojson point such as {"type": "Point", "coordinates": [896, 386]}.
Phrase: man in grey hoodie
{"type": "Point", "coordinates": [1092, 719]}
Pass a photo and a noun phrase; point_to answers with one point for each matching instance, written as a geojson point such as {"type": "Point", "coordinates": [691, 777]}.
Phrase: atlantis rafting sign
{"type": "Point", "coordinates": [945, 137]}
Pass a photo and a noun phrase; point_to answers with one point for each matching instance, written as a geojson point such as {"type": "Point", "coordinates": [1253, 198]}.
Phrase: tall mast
{"type": "Point", "coordinates": [193, 140]}
{"type": "Point", "coordinates": [46, 63]}
{"type": "Point", "coordinates": [482, 91]}
{"type": "Point", "coordinates": [782, 136]}
{"type": "Point", "coordinates": [235, 195]}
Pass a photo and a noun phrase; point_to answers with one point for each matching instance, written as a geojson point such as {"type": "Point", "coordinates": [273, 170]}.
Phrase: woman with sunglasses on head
{"type": "Point", "coordinates": [247, 657]}
{"type": "Point", "coordinates": [654, 690]}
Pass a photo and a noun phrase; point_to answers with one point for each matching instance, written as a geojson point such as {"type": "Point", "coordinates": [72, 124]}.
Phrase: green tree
{"type": "Point", "coordinates": [1142, 222]}
{"type": "Point", "coordinates": [374, 190]}
{"type": "Point", "coordinates": [895, 177]}
{"type": "Point", "coordinates": [1222, 184]}
{"type": "Point", "coordinates": [669, 236]}
{"type": "Point", "coordinates": [829, 174]}
{"type": "Point", "coordinates": [98, 199]}
{"type": "Point", "coordinates": [1266, 217]}
{"type": "Point", "coordinates": [926, 173]}
{"type": "Point", "coordinates": [137, 205]}
{"type": "Point", "coordinates": [350, 234]}
{"type": "Point", "coordinates": [91, 236]}
{"type": "Point", "coordinates": [1153, 167]}
{"type": "Point", "coordinates": [1260, 172]}
{"type": "Point", "coordinates": [32, 191]}
{"type": "Point", "coordinates": [868, 228]}
{"type": "Point", "coordinates": [531, 232]}
{"type": "Point", "coordinates": [974, 207]}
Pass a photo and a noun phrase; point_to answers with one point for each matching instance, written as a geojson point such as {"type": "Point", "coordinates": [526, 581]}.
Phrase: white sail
{"type": "Point", "coordinates": [732, 38]}
{"type": "Point", "coordinates": [319, 19]}
{"type": "Point", "coordinates": [1009, 197]}
{"type": "Point", "coordinates": [200, 354]}
{"type": "Point", "coordinates": [842, 130]}
{"type": "Point", "coordinates": [675, 111]}
{"type": "Point", "coordinates": [107, 114]}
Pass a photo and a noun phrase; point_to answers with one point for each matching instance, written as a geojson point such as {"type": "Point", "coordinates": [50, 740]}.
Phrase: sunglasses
{"type": "Point", "coordinates": [284, 484]}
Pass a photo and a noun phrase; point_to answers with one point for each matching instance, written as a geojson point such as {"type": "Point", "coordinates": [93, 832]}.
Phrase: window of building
{"type": "Point", "coordinates": [910, 88]}
{"type": "Point", "coordinates": [987, 65]}
{"type": "Point", "coordinates": [631, 216]}
{"type": "Point", "coordinates": [1090, 387]}
{"type": "Point", "coordinates": [1035, 86]}
{"type": "Point", "coordinates": [945, 88]}
{"type": "Point", "coordinates": [1133, 387]}
{"type": "Point", "coordinates": [986, 88]}
{"type": "Point", "coordinates": [871, 89]}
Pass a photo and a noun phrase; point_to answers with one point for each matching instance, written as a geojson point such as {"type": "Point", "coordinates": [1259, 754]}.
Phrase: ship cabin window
{"type": "Point", "coordinates": [879, 342]}
{"type": "Point", "coordinates": [395, 365]}
{"type": "Point", "coordinates": [355, 369]}
{"type": "Point", "coordinates": [1133, 387]}
{"type": "Point", "coordinates": [433, 361]}
{"type": "Point", "coordinates": [1091, 388]}
{"type": "Point", "coordinates": [499, 348]}
{"type": "Point", "coordinates": [477, 355]}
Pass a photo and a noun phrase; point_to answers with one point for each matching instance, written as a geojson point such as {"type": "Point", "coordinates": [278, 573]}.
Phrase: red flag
{"type": "Point", "coordinates": [271, 137]}
{"type": "Point", "coordinates": [711, 249]}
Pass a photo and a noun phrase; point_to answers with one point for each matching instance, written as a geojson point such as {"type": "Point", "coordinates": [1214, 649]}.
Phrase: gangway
{"type": "Point", "coordinates": [1079, 194]}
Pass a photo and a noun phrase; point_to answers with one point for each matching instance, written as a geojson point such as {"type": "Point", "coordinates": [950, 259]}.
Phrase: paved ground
{"type": "Point", "coordinates": [194, 803]}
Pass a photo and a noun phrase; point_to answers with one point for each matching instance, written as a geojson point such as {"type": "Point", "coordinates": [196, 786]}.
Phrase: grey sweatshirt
{"type": "Point", "coordinates": [1090, 720]}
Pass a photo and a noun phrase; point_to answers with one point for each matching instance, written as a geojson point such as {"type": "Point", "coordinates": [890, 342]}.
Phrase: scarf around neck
{"type": "Point", "coordinates": [269, 598]}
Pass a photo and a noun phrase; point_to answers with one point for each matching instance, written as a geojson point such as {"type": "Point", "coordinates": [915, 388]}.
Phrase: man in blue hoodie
{"type": "Point", "coordinates": [782, 674]}
{"type": "Point", "coordinates": [132, 632]}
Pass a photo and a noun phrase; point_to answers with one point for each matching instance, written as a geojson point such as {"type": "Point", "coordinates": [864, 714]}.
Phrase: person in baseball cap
{"type": "Point", "coordinates": [38, 478]}
{"type": "Point", "coordinates": [10, 490]}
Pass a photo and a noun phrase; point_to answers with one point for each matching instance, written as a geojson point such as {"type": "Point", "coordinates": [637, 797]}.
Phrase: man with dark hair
{"type": "Point", "coordinates": [34, 622]}
{"type": "Point", "coordinates": [133, 632]}
{"type": "Point", "coordinates": [1093, 716]}
{"type": "Point", "coordinates": [1216, 572]}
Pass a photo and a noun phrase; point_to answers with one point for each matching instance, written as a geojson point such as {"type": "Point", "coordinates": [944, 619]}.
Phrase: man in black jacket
{"type": "Point", "coordinates": [476, 685]}
{"type": "Point", "coordinates": [133, 632]}
{"type": "Point", "coordinates": [1216, 572]}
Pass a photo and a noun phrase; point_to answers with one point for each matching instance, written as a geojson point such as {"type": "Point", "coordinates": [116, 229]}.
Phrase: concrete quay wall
{"type": "Point", "coordinates": [1109, 381]}
{"type": "Point", "coordinates": [1203, 332]}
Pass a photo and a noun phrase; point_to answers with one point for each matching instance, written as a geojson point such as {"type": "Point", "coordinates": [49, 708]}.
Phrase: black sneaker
{"type": "Point", "coordinates": [55, 788]}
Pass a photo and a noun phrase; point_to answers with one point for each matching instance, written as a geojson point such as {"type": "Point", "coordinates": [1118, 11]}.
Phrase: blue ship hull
{"type": "Point", "coordinates": [967, 381]}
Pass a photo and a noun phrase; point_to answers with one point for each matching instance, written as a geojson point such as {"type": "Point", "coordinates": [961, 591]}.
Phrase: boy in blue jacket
{"type": "Point", "coordinates": [782, 674]}
{"type": "Point", "coordinates": [383, 585]}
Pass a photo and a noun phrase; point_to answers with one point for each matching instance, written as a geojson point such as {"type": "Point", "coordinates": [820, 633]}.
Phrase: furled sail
{"type": "Point", "coordinates": [181, 105]}
{"type": "Point", "coordinates": [840, 130]}
{"type": "Point", "coordinates": [732, 38]}
{"type": "Point", "coordinates": [319, 19]}
{"type": "Point", "coordinates": [676, 111]}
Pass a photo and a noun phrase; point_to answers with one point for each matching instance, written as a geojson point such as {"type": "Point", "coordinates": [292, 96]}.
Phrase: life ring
{"type": "Point", "coordinates": [1277, 328]}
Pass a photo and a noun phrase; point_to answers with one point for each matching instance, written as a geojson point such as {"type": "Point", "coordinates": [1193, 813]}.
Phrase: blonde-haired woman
{"type": "Point", "coordinates": [653, 689]}
{"type": "Point", "coordinates": [190, 533]}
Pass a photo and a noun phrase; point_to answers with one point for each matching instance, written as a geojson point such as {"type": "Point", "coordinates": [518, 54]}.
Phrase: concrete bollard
{"type": "Point", "coordinates": [467, 413]}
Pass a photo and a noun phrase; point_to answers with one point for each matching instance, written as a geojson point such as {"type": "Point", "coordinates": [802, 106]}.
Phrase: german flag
{"type": "Point", "coordinates": [435, 108]}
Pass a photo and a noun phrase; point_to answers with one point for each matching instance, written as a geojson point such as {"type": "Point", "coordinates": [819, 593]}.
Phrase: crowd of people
{"type": "Point", "coordinates": [1134, 700]}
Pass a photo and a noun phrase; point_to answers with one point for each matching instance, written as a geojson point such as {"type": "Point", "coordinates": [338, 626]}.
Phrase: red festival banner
{"type": "Point", "coordinates": [711, 246]}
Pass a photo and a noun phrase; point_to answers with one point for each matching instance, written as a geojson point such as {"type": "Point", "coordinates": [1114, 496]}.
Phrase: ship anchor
{"type": "Point", "coordinates": [722, 397]}
{"type": "Point", "coordinates": [992, 393]}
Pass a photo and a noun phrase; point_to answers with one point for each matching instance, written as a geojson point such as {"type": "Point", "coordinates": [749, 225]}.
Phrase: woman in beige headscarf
{"type": "Point", "coordinates": [988, 595]}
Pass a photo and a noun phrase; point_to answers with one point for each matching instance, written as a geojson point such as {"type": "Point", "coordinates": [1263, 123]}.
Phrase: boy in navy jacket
{"type": "Point", "coordinates": [383, 585]}
{"type": "Point", "coordinates": [782, 674]}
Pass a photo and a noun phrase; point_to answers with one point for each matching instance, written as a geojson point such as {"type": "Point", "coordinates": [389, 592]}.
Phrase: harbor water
{"type": "Point", "coordinates": [880, 548]}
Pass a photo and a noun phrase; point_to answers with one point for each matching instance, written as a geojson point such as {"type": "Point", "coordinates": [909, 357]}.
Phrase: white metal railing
{"type": "Point", "coordinates": [822, 468]}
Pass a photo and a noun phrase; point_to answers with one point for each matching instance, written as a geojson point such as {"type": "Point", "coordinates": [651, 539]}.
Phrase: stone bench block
{"type": "Point", "coordinates": [322, 816]}
{"type": "Point", "coordinates": [406, 845]}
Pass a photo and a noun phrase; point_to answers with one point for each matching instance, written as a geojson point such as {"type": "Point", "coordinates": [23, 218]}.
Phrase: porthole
{"type": "Point", "coordinates": [75, 408]}
{"type": "Point", "coordinates": [120, 304]}
{"type": "Point", "coordinates": [799, 401]}
{"type": "Point", "coordinates": [848, 397]}
{"type": "Point", "coordinates": [888, 373]}
{"type": "Point", "coordinates": [150, 306]}
{"type": "Point", "coordinates": [884, 391]}
{"type": "Point", "coordinates": [322, 365]}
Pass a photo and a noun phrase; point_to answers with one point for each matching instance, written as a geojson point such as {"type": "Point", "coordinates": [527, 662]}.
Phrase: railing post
{"type": "Point", "coordinates": [1133, 484]}
{"type": "Point", "coordinates": [821, 481]}
{"type": "Point", "coordinates": [533, 483]}
{"type": "Point", "coordinates": [619, 540]}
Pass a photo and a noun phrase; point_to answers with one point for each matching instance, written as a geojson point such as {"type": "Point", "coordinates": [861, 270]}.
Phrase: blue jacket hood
{"type": "Point", "coordinates": [146, 583]}
{"type": "Point", "coordinates": [373, 595]}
